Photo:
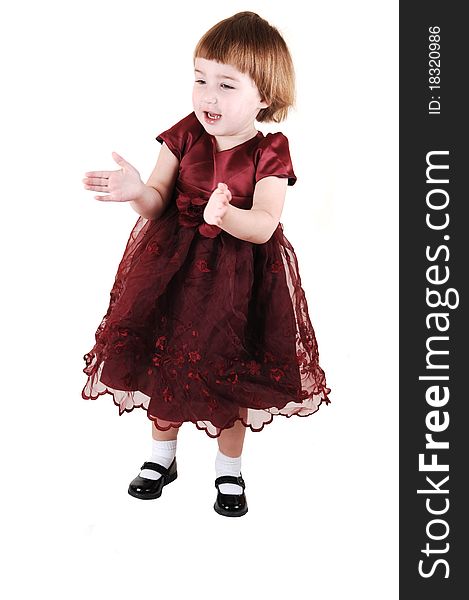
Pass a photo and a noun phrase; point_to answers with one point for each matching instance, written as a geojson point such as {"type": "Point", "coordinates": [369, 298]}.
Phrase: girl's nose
{"type": "Point", "coordinates": [210, 95]}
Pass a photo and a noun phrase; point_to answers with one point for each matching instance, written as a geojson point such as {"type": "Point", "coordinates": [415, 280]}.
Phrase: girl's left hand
{"type": "Point", "coordinates": [217, 206]}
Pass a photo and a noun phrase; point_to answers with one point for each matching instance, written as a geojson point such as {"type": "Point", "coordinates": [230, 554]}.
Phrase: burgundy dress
{"type": "Point", "coordinates": [202, 326]}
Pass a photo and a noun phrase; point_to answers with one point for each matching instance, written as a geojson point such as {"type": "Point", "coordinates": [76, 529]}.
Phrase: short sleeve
{"type": "Point", "coordinates": [180, 137]}
{"type": "Point", "coordinates": [273, 158]}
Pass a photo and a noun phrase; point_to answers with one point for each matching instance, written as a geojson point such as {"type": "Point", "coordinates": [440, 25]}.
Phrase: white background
{"type": "Point", "coordinates": [83, 79]}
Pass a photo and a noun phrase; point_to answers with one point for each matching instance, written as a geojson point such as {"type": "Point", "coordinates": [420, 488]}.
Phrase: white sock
{"type": "Point", "coordinates": [227, 465]}
{"type": "Point", "coordinates": [163, 453]}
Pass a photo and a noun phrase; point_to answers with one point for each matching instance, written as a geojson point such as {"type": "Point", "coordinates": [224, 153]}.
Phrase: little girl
{"type": "Point", "coordinates": [207, 320]}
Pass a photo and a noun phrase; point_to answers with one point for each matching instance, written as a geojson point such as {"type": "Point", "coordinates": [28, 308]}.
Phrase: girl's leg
{"type": "Point", "coordinates": [228, 459]}
{"type": "Point", "coordinates": [163, 448]}
{"type": "Point", "coordinates": [163, 436]}
{"type": "Point", "coordinates": [231, 441]}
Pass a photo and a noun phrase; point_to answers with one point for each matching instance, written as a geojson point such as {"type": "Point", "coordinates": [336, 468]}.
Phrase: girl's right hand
{"type": "Point", "coordinates": [123, 185]}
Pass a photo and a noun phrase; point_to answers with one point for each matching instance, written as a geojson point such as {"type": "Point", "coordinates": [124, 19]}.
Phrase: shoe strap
{"type": "Point", "coordinates": [230, 479]}
{"type": "Point", "coordinates": [155, 467]}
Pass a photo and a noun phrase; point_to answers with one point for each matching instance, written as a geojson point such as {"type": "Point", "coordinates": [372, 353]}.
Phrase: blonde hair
{"type": "Point", "coordinates": [253, 46]}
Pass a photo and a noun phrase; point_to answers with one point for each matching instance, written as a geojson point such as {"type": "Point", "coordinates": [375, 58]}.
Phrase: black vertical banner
{"type": "Point", "coordinates": [434, 268]}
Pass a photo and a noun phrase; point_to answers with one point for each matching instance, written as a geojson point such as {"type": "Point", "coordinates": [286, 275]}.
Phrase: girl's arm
{"type": "Point", "coordinates": [259, 223]}
{"type": "Point", "coordinates": [159, 187]}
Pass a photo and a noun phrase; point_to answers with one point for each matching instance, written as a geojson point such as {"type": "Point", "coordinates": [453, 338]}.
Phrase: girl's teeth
{"type": "Point", "coordinates": [212, 116]}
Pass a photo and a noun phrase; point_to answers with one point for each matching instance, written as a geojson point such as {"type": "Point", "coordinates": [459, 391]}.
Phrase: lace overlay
{"type": "Point", "coordinates": [192, 334]}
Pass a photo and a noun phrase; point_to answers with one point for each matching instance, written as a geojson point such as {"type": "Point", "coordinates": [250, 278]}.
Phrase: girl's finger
{"type": "Point", "coordinates": [108, 198]}
{"type": "Point", "coordinates": [104, 174]}
{"type": "Point", "coordinates": [95, 181]}
{"type": "Point", "coordinates": [119, 159]}
{"type": "Point", "coordinates": [222, 188]}
{"type": "Point", "coordinates": [97, 188]}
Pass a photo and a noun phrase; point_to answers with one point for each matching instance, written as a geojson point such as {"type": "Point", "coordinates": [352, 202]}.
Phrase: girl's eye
{"type": "Point", "coordinates": [223, 85]}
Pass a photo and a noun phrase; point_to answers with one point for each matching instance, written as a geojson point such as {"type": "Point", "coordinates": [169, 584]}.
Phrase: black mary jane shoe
{"type": "Point", "coordinates": [148, 489]}
{"type": "Point", "coordinates": [230, 505]}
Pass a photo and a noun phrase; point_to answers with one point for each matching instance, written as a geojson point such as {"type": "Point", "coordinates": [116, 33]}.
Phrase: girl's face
{"type": "Point", "coordinates": [225, 101]}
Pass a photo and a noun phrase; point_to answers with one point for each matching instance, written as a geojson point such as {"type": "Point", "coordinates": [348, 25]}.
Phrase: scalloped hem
{"type": "Point", "coordinates": [204, 428]}
{"type": "Point", "coordinates": [210, 429]}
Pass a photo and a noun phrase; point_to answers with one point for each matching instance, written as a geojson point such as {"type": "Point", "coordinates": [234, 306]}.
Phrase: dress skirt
{"type": "Point", "coordinates": [206, 328]}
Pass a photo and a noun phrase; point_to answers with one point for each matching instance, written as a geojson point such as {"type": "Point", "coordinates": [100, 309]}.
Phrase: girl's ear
{"type": "Point", "coordinates": [263, 104]}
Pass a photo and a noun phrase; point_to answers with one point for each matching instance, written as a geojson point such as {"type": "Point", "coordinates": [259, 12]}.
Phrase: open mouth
{"type": "Point", "coordinates": [211, 117]}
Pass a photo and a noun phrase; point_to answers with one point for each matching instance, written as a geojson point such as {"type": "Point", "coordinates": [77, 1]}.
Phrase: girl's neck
{"type": "Point", "coordinates": [226, 142]}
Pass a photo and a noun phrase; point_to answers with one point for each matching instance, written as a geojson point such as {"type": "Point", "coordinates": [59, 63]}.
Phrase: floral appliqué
{"type": "Point", "coordinates": [276, 266]}
{"type": "Point", "coordinates": [191, 214]}
{"type": "Point", "coordinates": [153, 248]}
{"type": "Point", "coordinates": [202, 266]}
